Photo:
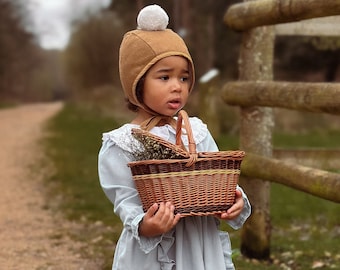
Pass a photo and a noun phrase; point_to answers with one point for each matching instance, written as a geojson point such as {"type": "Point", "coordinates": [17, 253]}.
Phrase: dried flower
{"type": "Point", "coordinates": [152, 147]}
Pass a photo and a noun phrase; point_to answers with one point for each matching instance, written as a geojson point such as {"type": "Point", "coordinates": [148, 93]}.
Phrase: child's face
{"type": "Point", "coordinates": [166, 85]}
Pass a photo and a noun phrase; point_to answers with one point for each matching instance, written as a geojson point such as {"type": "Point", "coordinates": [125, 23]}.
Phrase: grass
{"type": "Point", "coordinates": [7, 104]}
{"type": "Point", "coordinates": [304, 228]}
{"type": "Point", "coordinates": [304, 232]}
{"type": "Point", "coordinates": [315, 139]}
{"type": "Point", "coordinates": [72, 144]}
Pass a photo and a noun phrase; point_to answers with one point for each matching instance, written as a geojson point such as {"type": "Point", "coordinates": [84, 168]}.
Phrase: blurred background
{"type": "Point", "coordinates": [68, 50]}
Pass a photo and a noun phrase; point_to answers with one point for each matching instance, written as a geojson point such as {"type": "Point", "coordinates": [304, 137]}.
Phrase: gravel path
{"type": "Point", "coordinates": [31, 236]}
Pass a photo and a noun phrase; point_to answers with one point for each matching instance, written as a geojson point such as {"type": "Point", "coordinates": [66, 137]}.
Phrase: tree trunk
{"type": "Point", "coordinates": [320, 183]}
{"type": "Point", "coordinates": [187, 21]}
{"type": "Point", "coordinates": [251, 14]}
{"type": "Point", "coordinates": [211, 36]}
{"type": "Point", "coordinates": [255, 63]}
{"type": "Point", "coordinates": [312, 97]}
{"type": "Point", "coordinates": [140, 5]}
{"type": "Point", "coordinates": [176, 15]}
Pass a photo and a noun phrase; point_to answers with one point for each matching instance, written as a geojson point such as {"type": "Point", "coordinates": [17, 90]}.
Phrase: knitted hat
{"type": "Point", "coordinates": [142, 48]}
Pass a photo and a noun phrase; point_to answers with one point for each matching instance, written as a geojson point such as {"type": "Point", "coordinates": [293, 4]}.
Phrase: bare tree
{"type": "Point", "coordinates": [18, 52]}
{"type": "Point", "coordinates": [91, 58]}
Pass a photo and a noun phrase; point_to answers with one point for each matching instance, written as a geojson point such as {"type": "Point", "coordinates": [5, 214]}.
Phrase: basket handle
{"type": "Point", "coordinates": [183, 117]}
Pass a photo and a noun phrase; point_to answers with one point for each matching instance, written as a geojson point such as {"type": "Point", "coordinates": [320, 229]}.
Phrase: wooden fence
{"type": "Point", "coordinates": [313, 97]}
{"type": "Point", "coordinates": [256, 93]}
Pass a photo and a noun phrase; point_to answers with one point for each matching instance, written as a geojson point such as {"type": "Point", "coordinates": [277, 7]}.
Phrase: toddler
{"type": "Point", "coordinates": [157, 75]}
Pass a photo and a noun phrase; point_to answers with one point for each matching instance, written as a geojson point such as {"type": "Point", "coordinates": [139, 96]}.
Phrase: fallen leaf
{"type": "Point", "coordinates": [317, 264]}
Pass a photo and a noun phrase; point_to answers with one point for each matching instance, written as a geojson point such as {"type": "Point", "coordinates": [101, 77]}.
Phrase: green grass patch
{"type": "Point", "coordinates": [314, 139]}
{"type": "Point", "coordinates": [7, 104]}
{"type": "Point", "coordinates": [73, 146]}
{"type": "Point", "coordinates": [305, 233]}
{"type": "Point", "coordinates": [305, 229]}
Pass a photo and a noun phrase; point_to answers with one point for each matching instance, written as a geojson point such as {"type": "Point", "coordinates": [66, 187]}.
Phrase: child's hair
{"type": "Point", "coordinates": [142, 48]}
{"type": "Point", "coordinates": [139, 95]}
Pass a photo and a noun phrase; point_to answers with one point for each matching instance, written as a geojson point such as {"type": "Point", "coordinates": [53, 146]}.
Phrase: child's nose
{"type": "Point", "coordinates": [176, 85]}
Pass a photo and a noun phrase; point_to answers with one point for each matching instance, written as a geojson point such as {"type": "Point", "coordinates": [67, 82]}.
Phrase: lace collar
{"type": "Point", "coordinates": [123, 138]}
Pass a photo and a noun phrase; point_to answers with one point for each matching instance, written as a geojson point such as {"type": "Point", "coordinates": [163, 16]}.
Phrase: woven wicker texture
{"type": "Point", "coordinates": [198, 184]}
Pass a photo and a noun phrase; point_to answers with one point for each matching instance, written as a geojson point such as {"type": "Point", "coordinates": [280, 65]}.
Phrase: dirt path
{"type": "Point", "coordinates": [31, 237]}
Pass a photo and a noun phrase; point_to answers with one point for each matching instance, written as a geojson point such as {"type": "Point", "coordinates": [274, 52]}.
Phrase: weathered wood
{"type": "Point", "coordinates": [319, 158]}
{"type": "Point", "coordinates": [326, 26]}
{"type": "Point", "coordinates": [252, 14]}
{"type": "Point", "coordinates": [320, 183]}
{"type": "Point", "coordinates": [255, 136]}
{"type": "Point", "coordinates": [312, 97]}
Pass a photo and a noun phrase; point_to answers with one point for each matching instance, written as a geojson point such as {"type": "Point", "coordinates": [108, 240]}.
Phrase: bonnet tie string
{"type": "Point", "coordinates": [153, 121]}
{"type": "Point", "coordinates": [148, 124]}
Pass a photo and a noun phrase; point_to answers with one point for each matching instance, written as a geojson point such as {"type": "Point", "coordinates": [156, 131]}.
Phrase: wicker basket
{"type": "Point", "coordinates": [202, 184]}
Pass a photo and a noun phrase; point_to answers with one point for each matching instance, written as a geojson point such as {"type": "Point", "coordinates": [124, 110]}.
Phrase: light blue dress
{"type": "Point", "coordinates": [195, 243]}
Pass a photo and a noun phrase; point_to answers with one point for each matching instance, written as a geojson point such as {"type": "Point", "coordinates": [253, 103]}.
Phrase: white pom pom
{"type": "Point", "coordinates": [152, 18]}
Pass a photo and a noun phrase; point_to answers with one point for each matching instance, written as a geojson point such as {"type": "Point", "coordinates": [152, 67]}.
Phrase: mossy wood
{"type": "Point", "coordinates": [312, 97]}
{"type": "Point", "coordinates": [255, 137]}
{"type": "Point", "coordinates": [250, 14]}
{"type": "Point", "coordinates": [256, 121]}
{"type": "Point", "coordinates": [317, 182]}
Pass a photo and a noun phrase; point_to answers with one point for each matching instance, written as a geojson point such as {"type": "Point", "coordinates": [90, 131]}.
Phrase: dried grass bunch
{"type": "Point", "coordinates": [150, 146]}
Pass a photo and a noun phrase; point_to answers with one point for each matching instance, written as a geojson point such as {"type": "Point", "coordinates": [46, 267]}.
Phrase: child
{"type": "Point", "coordinates": [157, 74]}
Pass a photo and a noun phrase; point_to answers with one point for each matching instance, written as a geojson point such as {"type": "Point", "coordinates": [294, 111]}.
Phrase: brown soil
{"type": "Point", "coordinates": [32, 236]}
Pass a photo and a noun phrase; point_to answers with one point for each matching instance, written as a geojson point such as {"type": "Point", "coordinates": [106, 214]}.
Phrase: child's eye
{"type": "Point", "coordinates": [184, 79]}
{"type": "Point", "coordinates": [164, 78]}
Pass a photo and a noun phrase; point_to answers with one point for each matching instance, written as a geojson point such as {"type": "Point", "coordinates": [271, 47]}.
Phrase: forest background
{"type": "Point", "coordinates": [86, 71]}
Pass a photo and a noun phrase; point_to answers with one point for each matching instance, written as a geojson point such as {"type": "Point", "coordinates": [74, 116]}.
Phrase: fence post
{"type": "Point", "coordinates": [255, 64]}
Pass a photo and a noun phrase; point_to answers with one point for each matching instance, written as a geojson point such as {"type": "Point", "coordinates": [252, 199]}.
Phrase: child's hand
{"type": "Point", "coordinates": [158, 220]}
{"type": "Point", "coordinates": [236, 208]}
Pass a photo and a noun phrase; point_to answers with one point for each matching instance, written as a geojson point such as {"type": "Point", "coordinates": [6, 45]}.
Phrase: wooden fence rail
{"type": "Point", "coordinates": [320, 183]}
{"type": "Point", "coordinates": [247, 15]}
{"type": "Point", "coordinates": [312, 97]}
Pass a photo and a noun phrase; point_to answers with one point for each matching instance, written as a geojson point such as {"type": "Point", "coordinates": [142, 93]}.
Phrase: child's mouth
{"type": "Point", "coordinates": [174, 104]}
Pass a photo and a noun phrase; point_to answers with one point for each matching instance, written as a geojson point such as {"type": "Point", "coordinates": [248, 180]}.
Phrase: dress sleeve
{"type": "Point", "coordinates": [117, 183]}
{"type": "Point", "coordinates": [246, 211]}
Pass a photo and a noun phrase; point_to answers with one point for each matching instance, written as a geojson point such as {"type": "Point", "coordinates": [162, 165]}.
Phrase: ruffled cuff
{"type": "Point", "coordinates": [146, 244]}
{"type": "Point", "coordinates": [246, 211]}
